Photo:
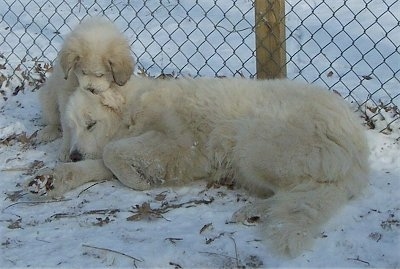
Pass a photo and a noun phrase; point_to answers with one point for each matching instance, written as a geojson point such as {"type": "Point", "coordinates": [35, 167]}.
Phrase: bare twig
{"type": "Point", "coordinates": [205, 227]}
{"type": "Point", "coordinates": [90, 187]}
{"type": "Point", "coordinates": [91, 212]}
{"type": "Point", "coordinates": [114, 251]}
{"type": "Point", "coordinates": [13, 262]}
{"type": "Point", "coordinates": [15, 169]}
{"type": "Point", "coordinates": [145, 211]}
{"type": "Point", "coordinates": [358, 260]}
{"type": "Point", "coordinates": [35, 203]}
{"type": "Point", "coordinates": [165, 208]}
{"type": "Point", "coordinates": [236, 251]}
{"type": "Point", "coordinates": [210, 240]}
{"type": "Point", "coordinates": [176, 265]}
{"type": "Point", "coordinates": [173, 239]}
{"type": "Point", "coordinates": [217, 254]}
{"type": "Point", "coordinates": [41, 240]}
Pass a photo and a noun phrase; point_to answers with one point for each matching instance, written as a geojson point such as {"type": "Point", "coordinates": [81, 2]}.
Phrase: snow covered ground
{"type": "Point", "coordinates": [179, 227]}
{"type": "Point", "coordinates": [106, 224]}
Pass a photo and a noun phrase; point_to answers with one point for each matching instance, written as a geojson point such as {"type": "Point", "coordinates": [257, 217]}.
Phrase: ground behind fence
{"type": "Point", "coordinates": [351, 47]}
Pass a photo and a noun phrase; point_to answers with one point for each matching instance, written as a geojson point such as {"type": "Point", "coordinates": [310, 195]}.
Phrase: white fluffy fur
{"type": "Point", "coordinates": [95, 56]}
{"type": "Point", "coordinates": [298, 141]}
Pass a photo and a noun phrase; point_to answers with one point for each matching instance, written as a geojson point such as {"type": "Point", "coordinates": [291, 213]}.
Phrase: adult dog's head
{"type": "Point", "coordinates": [93, 121]}
{"type": "Point", "coordinates": [97, 54]}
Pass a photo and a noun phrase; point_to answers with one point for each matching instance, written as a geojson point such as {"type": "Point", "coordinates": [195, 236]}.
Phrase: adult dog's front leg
{"type": "Point", "coordinates": [64, 153]}
{"type": "Point", "coordinates": [141, 162]}
{"type": "Point", "coordinates": [67, 176]}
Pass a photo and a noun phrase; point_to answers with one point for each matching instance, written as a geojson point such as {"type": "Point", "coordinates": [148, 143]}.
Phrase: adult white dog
{"type": "Point", "coordinates": [95, 56]}
{"type": "Point", "coordinates": [298, 141]}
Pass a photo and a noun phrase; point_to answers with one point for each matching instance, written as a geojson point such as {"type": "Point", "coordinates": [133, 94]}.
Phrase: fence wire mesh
{"type": "Point", "coordinates": [352, 47]}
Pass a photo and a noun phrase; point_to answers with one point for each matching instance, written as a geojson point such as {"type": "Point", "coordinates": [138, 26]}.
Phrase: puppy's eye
{"type": "Point", "coordinates": [99, 75]}
{"type": "Point", "coordinates": [90, 126]}
{"type": "Point", "coordinates": [84, 72]}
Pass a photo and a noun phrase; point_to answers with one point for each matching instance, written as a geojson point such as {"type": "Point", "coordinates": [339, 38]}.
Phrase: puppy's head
{"type": "Point", "coordinates": [92, 120]}
{"type": "Point", "coordinates": [98, 55]}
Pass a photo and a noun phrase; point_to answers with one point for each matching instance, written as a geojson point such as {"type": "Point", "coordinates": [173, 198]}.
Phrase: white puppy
{"type": "Point", "coordinates": [298, 141]}
{"type": "Point", "coordinates": [95, 56]}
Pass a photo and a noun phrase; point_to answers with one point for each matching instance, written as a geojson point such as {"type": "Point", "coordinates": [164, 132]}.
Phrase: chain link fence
{"type": "Point", "coordinates": [351, 47]}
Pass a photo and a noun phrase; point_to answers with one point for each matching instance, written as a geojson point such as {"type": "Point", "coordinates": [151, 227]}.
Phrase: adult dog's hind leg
{"type": "Point", "coordinates": [140, 162]}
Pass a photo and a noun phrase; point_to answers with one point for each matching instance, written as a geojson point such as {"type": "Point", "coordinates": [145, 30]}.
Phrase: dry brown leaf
{"type": "Point", "coordinates": [160, 197]}
{"type": "Point", "coordinates": [144, 211]}
{"type": "Point", "coordinates": [15, 225]}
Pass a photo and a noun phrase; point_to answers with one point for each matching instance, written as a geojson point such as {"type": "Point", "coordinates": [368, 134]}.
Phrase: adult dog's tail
{"type": "Point", "coordinates": [292, 219]}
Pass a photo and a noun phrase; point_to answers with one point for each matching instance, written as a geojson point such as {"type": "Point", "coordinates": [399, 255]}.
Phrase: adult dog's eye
{"type": "Point", "coordinates": [99, 75]}
{"type": "Point", "coordinates": [90, 125]}
{"type": "Point", "coordinates": [84, 72]}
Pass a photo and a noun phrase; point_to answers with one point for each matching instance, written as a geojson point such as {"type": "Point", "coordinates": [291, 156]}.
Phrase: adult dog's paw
{"type": "Point", "coordinates": [248, 214]}
{"type": "Point", "coordinates": [256, 212]}
{"type": "Point", "coordinates": [41, 184]}
{"type": "Point", "coordinates": [49, 183]}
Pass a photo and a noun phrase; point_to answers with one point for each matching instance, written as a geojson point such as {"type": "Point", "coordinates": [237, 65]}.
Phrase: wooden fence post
{"type": "Point", "coordinates": [270, 38]}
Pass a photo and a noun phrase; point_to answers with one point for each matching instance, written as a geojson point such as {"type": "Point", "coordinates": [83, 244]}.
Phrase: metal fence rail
{"type": "Point", "coordinates": [352, 47]}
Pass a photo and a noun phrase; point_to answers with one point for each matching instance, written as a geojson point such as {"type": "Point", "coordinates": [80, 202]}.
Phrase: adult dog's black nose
{"type": "Point", "coordinates": [75, 156]}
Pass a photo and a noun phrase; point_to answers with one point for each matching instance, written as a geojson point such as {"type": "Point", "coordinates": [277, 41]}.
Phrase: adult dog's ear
{"type": "Point", "coordinates": [68, 58]}
{"type": "Point", "coordinates": [120, 61]}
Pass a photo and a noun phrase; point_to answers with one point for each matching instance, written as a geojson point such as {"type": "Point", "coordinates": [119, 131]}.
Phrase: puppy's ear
{"type": "Point", "coordinates": [121, 69]}
{"type": "Point", "coordinates": [68, 58]}
{"type": "Point", "coordinates": [113, 100]}
{"type": "Point", "coordinates": [120, 61]}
